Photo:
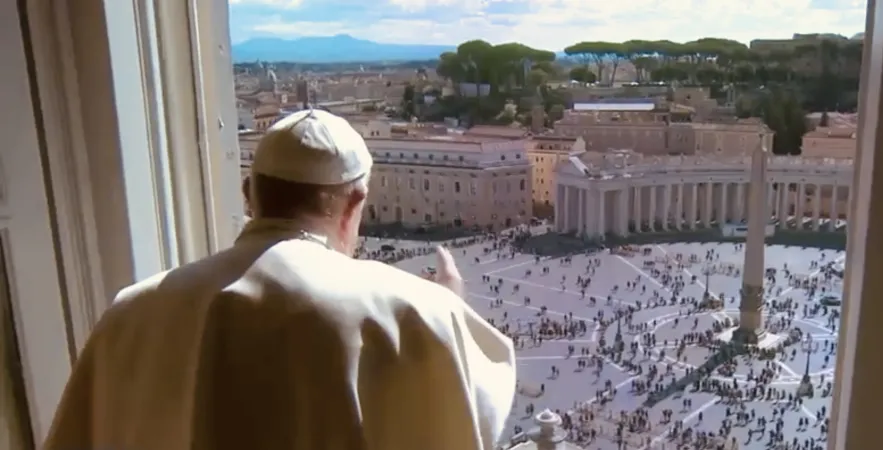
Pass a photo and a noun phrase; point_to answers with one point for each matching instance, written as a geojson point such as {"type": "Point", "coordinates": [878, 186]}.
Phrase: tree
{"type": "Point", "coordinates": [501, 66]}
{"type": "Point", "coordinates": [408, 102]}
{"type": "Point", "coordinates": [582, 74]}
{"type": "Point", "coordinates": [823, 69]}
{"type": "Point", "coordinates": [782, 113]}
{"type": "Point", "coordinates": [602, 55]}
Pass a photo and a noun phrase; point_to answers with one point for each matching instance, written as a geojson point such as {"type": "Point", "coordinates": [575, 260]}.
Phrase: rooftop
{"type": "Point", "coordinates": [615, 107]}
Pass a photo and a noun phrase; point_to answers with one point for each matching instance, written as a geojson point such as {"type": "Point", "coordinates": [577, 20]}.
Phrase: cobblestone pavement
{"type": "Point", "coordinates": [574, 385]}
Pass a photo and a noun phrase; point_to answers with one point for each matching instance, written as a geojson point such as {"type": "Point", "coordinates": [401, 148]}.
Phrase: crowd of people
{"type": "Point", "coordinates": [655, 361]}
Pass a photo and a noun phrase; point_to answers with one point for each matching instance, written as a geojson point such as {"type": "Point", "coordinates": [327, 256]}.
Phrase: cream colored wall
{"type": "Point", "coordinates": [543, 164]}
{"type": "Point", "coordinates": [417, 195]}
{"type": "Point", "coordinates": [725, 141]}
{"type": "Point", "coordinates": [829, 147]}
{"type": "Point", "coordinates": [661, 139]}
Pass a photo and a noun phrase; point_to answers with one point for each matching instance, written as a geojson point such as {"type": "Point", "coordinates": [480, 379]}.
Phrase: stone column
{"type": "Point", "coordinates": [724, 211]}
{"type": "Point", "coordinates": [800, 200]}
{"type": "Point", "coordinates": [783, 205]}
{"type": "Point", "coordinates": [816, 206]}
{"type": "Point", "coordinates": [709, 197]}
{"type": "Point", "coordinates": [548, 434]}
{"type": "Point", "coordinates": [601, 227]}
{"type": "Point", "coordinates": [559, 208]}
{"type": "Point", "coordinates": [694, 205]}
{"type": "Point", "coordinates": [622, 211]}
{"type": "Point", "coordinates": [679, 207]}
{"type": "Point", "coordinates": [751, 305]}
{"type": "Point", "coordinates": [740, 202]}
{"type": "Point", "coordinates": [590, 210]}
{"type": "Point", "coordinates": [653, 213]}
{"type": "Point", "coordinates": [832, 223]}
{"type": "Point", "coordinates": [580, 211]}
{"type": "Point", "coordinates": [636, 214]}
{"type": "Point", "coordinates": [566, 208]}
{"type": "Point", "coordinates": [666, 206]}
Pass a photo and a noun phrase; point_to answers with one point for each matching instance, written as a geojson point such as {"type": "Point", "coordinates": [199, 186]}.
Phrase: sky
{"type": "Point", "coordinates": [545, 24]}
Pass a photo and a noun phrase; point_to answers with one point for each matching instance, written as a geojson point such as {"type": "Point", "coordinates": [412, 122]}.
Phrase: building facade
{"type": "Point", "coordinates": [827, 142]}
{"type": "Point", "coordinates": [447, 179]}
{"type": "Point", "coordinates": [544, 154]}
{"type": "Point", "coordinates": [650, 133]}
{"type": "Point", "coordinates": [624, 192]}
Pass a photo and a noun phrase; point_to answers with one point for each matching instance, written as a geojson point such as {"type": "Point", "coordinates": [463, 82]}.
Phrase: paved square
{"type": "Point", "coordinates": [562, 315]}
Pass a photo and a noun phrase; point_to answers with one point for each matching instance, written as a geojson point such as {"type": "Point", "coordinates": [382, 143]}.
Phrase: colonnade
{"type": "Point", "coordinates": [614, 206]}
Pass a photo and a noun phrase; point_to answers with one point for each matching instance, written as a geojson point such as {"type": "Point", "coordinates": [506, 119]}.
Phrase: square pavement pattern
{"type": "Point", "coordinates": [564, 315]}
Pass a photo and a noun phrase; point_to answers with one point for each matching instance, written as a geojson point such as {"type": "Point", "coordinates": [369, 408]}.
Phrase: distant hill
{"type": "Point", "coordinates": [332, 49]}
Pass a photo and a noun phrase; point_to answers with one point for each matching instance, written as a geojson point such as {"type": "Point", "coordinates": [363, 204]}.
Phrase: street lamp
{"type": "Point", "coordinates": [707, 270]}
{"type": "Point", "coordinates": [806, 389]}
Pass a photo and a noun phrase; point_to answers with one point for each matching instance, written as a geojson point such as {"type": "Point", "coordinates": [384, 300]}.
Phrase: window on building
{"type": "Point", "coordinates": [473, 189]}
{"type": "Point", "coordinates": [383, 181]}
{"type": "Point", "coordinates": [412, 184]}
{"type": "Point", "coordinates": [457, 187]}
{"type": "Point", "coordinates": [425, 185]}
{"type": "Point", "coordinates": [521, 185]}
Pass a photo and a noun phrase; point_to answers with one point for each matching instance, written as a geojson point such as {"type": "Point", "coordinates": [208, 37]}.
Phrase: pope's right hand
{"type": "Point", "coordinates": [446, 273]}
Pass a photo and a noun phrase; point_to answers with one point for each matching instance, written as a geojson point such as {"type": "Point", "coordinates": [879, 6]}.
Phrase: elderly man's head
{"type": "Point", "coordinates": [313, 168]}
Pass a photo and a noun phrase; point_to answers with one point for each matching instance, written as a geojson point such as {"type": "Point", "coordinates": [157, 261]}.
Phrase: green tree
{"type": "Point", "coordinates": [408, 102]}
{"type": "Point", "coordinates": [582, 74]}
{"type": "Point", "coordinates": [782, 112]}
{"type": "Point", "coordinates": [501, 66]}
{"type": "Point", "coordinates": [601, 55]}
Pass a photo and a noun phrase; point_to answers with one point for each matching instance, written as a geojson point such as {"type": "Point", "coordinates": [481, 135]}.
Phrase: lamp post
{"type": "Point", "coordinates": [806, 389]}
{"type": "Point", "coordinates": [707, 273]}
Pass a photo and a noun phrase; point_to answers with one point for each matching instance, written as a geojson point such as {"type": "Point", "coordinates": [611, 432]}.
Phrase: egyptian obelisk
{"type": "Point", "coordinates": [751, 325]}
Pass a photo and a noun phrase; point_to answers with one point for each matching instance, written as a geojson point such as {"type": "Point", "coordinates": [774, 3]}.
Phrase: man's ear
{"type": "Point", "coordinates": [355, 198]}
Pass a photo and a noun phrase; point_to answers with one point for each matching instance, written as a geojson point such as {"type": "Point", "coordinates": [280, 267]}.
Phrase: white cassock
{"type": "Point", "coordinates": [280, 343]}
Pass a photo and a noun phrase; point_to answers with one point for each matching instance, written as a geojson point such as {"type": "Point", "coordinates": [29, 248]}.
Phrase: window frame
{"type": "Point", "coordinates": [185, 217]}
{"type": "Point", "coordinates": [134, 142]}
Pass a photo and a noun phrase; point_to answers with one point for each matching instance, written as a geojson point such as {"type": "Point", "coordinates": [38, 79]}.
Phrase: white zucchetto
{"type": "Point", "coordinates": [312, 147]}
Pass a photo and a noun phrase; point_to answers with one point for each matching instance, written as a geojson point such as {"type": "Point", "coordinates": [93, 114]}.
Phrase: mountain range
{"type": "Point", "coordinates": [332, 49]}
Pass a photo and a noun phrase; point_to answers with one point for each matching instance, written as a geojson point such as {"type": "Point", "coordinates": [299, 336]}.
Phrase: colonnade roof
{"type": "Point", "coordinates": [625, 164]}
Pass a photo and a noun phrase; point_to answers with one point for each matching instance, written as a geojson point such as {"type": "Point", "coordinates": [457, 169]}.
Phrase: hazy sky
{"type": "Point", "coordinates": [547, 24]}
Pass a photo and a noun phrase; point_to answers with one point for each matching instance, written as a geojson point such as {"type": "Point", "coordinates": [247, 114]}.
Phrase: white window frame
{"type": "Point", "coordinates": [139, 185]}
{"type": "Point", "coordinates": [150, 150]}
